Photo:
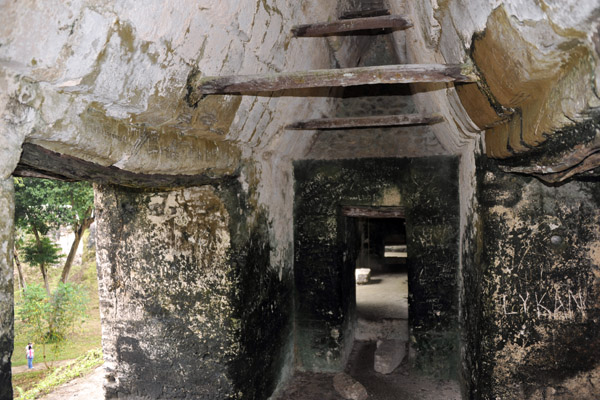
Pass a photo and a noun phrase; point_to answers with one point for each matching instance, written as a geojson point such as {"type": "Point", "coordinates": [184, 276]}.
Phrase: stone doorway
{"type": "Point", "coordinates": [381, 274]}
{"type": "Point", "coordinates": [327, 244]}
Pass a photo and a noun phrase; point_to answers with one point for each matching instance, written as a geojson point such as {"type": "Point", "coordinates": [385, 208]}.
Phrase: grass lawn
{"type": "Point", "coordinates": [81, 340]}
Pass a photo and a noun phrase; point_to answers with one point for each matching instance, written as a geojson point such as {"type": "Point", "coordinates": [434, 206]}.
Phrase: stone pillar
{"type": "Point", "coordinates": [539, 322]}
{"type": "Point", "coordinates": [6, 286]}
{"type": "Point", "coordinates": [168, 329]}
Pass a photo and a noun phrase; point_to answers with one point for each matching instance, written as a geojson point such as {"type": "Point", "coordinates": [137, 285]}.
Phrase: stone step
{"type": "Point", "coordinates": [389, 355]}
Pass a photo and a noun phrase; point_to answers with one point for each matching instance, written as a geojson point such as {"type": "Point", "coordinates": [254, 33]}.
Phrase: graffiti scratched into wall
{"type": "Point", "coordinates": [551, 304]}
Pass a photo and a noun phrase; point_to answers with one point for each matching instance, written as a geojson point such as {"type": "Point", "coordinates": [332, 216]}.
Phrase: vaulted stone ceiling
{"type": "Point", "coordinates": [106, 81]}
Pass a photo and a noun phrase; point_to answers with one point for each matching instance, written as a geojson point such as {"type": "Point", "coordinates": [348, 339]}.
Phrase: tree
{"type": "Point", "coordinates": [43, 204]}
{"type": "Point", "coordinates": [19, 241]}
{"type": "Point", "coordinates": [81, 201]}
{"type": "Point", "coordinates": [36, 212]}
{"type": "Point", "coordinates": [49, 319]}
{"type": "Point", "coordinates": [42, 252]}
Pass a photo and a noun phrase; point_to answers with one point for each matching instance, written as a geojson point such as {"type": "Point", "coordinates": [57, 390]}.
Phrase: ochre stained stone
{"type": "Point", "coordinates": [519, 77]}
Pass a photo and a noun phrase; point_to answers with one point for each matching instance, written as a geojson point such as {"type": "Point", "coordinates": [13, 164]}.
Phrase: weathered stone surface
{"type": "Point", "coordinates": [362, 275]}
{"type": "Point", "coordinates": [17, 119]}
{"type": "Point", "coordinates": [326, 248]}
{"type": "Point", "coordinates": [413, 141]}
{"type": "Point", "coordinates": [389, 355]}
{"type": "Point", "coordinates": [111, 88]}
{"type": "Point", "coordinates": [349, 388]}
{"type": "Point", "coordinates": [186, 286]}
{"type": "Point", "coordinates": [164, 293]}
{"type": "Point", "coordinates": [539, 311]}
{"type": "Point", "coordinates": [383, 329]}
{"type": "Point", "coordinates": [6, 286]}
{"type": "Point", "coordinates": [531, 95]}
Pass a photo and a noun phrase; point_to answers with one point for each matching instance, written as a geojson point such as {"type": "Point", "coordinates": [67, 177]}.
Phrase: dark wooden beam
{"type": "Point", "coordinates": [373, 211]}
{"type": "Point", "coordinates": [385, 74]}
{"type": "Point", "coordinates": [366, 122]}
{"type": "Point", "coordinates": [365, 13]}
{"type": "Point", "coordinates": [351, 25]}
{"type": "Point", "coordinates": [39, 162]}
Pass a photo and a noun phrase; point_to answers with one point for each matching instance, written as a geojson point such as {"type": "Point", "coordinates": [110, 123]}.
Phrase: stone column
{"type": "Point", "coordinates": [165, 293]}
{"type": "Point", "coordinates": [16, 120]}
{"type": "Point", "coordinates": [6, 286]}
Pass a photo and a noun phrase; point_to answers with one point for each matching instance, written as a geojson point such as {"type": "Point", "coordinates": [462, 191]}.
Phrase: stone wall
{"type": "Point", "coordinates": [6, 286]}
{"type": "Point", "coordinates": [428, 189]}
{"type": "Point", "coordinates": [186, 286]}
{"type": "Point", "coordinates": [538, 269]}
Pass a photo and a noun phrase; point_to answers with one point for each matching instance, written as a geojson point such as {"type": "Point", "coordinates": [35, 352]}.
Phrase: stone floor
{"type": "Point", "coordinates": [402, 384]}
{"type": "Point", "coordinates": [381, 309]}
{"type": "Point", "coordinates": [386, 296]}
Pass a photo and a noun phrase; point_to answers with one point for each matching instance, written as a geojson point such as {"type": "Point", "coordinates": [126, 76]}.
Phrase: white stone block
{"type": "Point", "coordinates": [363, 275]}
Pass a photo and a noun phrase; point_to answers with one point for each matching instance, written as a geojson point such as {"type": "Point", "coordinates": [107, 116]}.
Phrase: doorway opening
{"type": "Point", "coordinates": [381, 273]}
{"type": "Point", "coordinates": [382, 280]}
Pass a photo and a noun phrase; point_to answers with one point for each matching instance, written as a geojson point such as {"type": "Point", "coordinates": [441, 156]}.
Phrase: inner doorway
{"type": "Point", "coordinates": [381, 275]}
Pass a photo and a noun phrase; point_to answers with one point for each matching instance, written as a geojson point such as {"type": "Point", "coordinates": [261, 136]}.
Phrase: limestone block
{"type": "Point", "coordinates": [363, 275]}
{"type": "Point", "coordinates": [349, 388]}
{"type": "Point", "coordinates": [389, 355]}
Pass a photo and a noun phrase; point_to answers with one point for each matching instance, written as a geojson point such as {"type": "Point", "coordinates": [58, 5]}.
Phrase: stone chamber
{"type": "Point", "coordinates": [225, 260]}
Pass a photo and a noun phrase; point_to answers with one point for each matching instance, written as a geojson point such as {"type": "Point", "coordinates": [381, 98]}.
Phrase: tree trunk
{"type": "Point", "coordinates": [42, 265]}
{"type": "Point", "coordinates": [78, 235]}
{"type": "Point", "coordinates": [44, 356]}
{"type": "Point", "coordinates": [45, 276]}
{"type": "Point", "coordinates": [21, 276]}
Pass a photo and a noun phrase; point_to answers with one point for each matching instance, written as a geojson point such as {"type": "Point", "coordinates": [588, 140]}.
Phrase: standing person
{"type": "Point", "coordinates": [29, 354]}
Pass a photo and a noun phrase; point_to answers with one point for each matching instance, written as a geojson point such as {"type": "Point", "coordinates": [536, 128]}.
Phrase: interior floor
{"type": "Point", "coordinates": [385, 296]}
{"type": "Point", "coordinates": [402, 383]}
{"type": "Point", "coordinates": [382, 312]}
{"type": "Point", "coordinates": [382, 307]}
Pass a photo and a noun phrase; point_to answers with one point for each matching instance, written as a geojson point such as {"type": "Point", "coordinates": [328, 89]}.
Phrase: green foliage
{"type": "Point", "coordinates": [68, 307]}
{"type": "Point", "coordinates": [43, 252]}
{"type": "Point", "coordinates": [42, 205]}
{"type": "Point", "coordinates": [39, 205]}
{"type": "Point", "coordinates": [79, 367]}
{"type": "Point", "coordinates": [50, 320]}
{"type": "Point", "coordinates": [46, 204]}
{"type": "Point", "coordinates": [33, 310]}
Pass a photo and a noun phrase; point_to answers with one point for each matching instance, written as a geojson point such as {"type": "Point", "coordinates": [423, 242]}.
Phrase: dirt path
{"type": "Point", "coordinates": [38, 366]}
{"type": "Point", "coordinates": [88, 387]}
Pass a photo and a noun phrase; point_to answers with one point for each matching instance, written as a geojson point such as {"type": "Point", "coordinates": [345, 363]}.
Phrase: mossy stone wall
{"type": "Point", "coordinates": [539, 289]}
{"type": "Point", "coordinates": [190, 305]}
{"type": "Point", "coordinates": [428, 189]}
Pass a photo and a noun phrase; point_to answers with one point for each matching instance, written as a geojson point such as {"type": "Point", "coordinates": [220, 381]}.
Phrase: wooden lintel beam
{"type": "Point", "coordinates": [384, 74]}
{"type": "Point", "coordinates": [366, 122]}
{"type": "Point", "coordinates": [352, 25]}
{"type": "Point", "coordinates": [373, 211]}
{"type": "Point", "coordinates": [39, 162]}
